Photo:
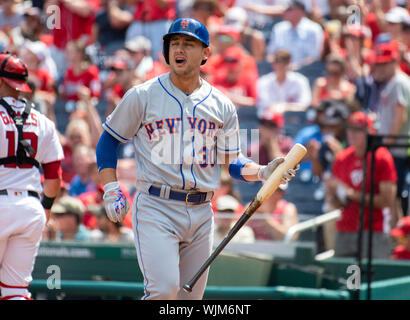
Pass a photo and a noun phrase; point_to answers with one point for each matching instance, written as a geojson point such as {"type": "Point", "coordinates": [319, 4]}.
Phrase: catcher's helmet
{"type": "Point", "coordinates": [190, 27]}
{"type": "Point", "coordinates": [14, 72]}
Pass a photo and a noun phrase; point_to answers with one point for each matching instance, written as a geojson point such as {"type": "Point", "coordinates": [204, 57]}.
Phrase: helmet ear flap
{"type": "Point", "coordinates": [166, 50]}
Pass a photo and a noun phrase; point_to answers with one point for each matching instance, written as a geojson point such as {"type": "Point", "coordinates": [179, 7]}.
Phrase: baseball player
{"type": "Point", "coordinates": [183, 131]}
{"type": "Point", "coordinates": [27, 140]}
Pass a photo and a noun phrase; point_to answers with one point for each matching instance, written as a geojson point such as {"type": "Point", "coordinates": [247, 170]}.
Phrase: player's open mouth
{"type": "Point", "coordinates": [180, 61]}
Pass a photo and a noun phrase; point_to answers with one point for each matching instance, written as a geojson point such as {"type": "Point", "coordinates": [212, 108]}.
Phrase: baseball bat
{"type": "Point", "coordinates": [294, 156]}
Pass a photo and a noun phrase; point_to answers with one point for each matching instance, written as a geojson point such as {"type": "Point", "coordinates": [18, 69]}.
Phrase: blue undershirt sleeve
{"type": "Point", "coordinates": [106, 151]}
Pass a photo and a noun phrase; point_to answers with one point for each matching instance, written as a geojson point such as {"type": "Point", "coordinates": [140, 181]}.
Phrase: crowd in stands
{"type": "Point", "coordinates": [316, 72]}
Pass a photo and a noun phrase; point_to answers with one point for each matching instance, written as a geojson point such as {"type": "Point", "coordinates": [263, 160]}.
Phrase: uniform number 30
{"type": "Point", "coordinates": [208, 157]}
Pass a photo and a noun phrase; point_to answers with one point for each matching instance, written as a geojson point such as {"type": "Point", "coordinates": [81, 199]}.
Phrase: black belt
{"type": "Point", "coordinates": [30, 193]}
{"type": "Point", "coordinates": [190, 197]}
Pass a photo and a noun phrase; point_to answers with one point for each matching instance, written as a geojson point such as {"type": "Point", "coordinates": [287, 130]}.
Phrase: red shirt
{"type": "Point", "coordinates": [400, 253]}
{"type": "Point", "coordinates": [67, 164]}
{"type": "Point", "coordinates": [73, 26]}
{"type": "Point", "coordinates": [216, 62]}
{"type": "Point", "coordinates": [243, 86]}
{"type": "Point", "coordinates": [371, 22]}
{"type": "Point", "coordinates": [149, 10]}
{"type": "Point", "coordinates": [157, 69]}
{"type": "Point", "coordinates": [89, 78]}
{"type": "Point", "coordinates": [348, 168]}
{"type": "Point", "coordinates": [44, 81]}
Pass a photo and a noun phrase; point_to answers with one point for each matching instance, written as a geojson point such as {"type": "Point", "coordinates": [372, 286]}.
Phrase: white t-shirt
{"type": "Point", "coordinates": [295, 89]}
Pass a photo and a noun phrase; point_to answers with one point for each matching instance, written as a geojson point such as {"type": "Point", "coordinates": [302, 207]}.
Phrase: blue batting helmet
{"type": "Point", "coordinates": [190, 27]}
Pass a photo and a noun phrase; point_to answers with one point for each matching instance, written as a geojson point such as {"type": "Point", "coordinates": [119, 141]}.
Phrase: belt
{"type": "Point", "coordinates": [29, 192]}
{"type": "Point", "coordinates": [190, 197]}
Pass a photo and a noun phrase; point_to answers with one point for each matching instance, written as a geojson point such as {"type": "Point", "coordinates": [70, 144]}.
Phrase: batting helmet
{"type": "Point", "coordinates": [190, 27]}
{"type": "Point", "coordinates": [14, 72]}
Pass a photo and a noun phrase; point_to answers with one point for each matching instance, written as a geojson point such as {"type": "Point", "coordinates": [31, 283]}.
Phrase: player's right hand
{"type": "Point", "coordinates": [265, 171]}
{"type": "Point", "coordinates": [116, 204]}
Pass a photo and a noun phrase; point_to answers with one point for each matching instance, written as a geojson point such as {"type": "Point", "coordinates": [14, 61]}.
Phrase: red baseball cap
{"type": "Point", "coordinates": [274, 117]}
{"type": "Point", "coordinates": [402, 229]}
{"type": "Point", "coordinates": [359, 119]}
{"type": "Point", "coordinates": [14, 72]}
{"type": "Point", "coordinates": [386, 52]}
{"type": "Point", "coordinates": [229, 31]}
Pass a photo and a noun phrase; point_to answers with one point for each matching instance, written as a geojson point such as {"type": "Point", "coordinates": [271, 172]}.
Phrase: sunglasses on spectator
{"type": "Point", "coordinates": [230, 60]}
{"type": "Point", "coordinates": [224, 38]}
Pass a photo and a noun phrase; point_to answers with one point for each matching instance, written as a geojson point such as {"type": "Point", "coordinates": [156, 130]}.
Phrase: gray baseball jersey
{"type": "Point", "coordinates": [179, 140]}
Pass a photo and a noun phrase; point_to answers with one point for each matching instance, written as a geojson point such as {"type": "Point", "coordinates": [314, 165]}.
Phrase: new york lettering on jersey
{"type": "Point", "coordinates": [184, 150]}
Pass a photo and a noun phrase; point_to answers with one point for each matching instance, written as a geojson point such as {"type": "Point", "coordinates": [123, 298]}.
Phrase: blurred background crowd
{"type": "Point", "coordinates": [317, 72]}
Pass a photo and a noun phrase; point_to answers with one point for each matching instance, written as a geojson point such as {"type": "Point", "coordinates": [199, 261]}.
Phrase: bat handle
{"type": "Point", "coordinates": [190, 284]}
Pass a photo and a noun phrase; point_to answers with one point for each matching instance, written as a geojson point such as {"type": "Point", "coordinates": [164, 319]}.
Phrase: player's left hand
{"type": "Point", "coordinates": [116, 204]}
{"type": "Point", "coordinates": [265, 171]}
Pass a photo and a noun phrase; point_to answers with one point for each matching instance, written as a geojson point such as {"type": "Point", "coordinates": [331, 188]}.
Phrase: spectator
{"type": "Point", "coordinates": [333, 86]}
{"type": "Point", "coordinates": [357, 52]}
{"type": "Point", "coordinates": [80, 73]}
{"type": "Point", "coordinates": [31, 28]}
{"type": "Point", "coordinates": [160, 66]}
{"type": "Point", "coordinates": [111, 232]}
{"type": "Point", "coordinates": [333, 132]}
{"type": "Point", "coordinates": [76, 19]}
{"type": "Point", "coordinates": [251, 39]}
{"type": "Point", "coordinates": [140, 51]}
{"type": "Point", "coordinates": [375, 15]}
{"type": "Point", "coordinates": [393, 106]}
{"type": "Point", "coordinates": [11, 14]}
{"type": "Point", "coordinates": [152, 19]}
{"type": "Point", "coordinates": [345, 191]}
{"type": "Point", "coordinates": [274, 217]}
{"type": "Point", "coordinates": [34, 54]}
{"type": "Point", "coordinates": [77, 132]}
{"type": "Point", "coordinates": [272, 143]}
{"type": "Point", "coordinates": [300, 36]}
{"type": "Point", "coordinates": [227, 37]}
{"type": "Point", "coordinates": [262, 14]}
{"type": "Point", "coordinates": [402, 235]}
{"type": "Point", "coordinates": [67, 214]}
{"type": "Point", "coordinates": [231, 78]}
{"type": "Point", "coordinates": [111, 23]}
{"type": "Point", "coordinates": [226, 206]}
{"type": "Point", "coordinates": [204, 11]}
{"type": "Point", "coordinates": [49, 232]}
{"type": "Point", "coordinates": [405, 59]}
{"type": "Point", "coordinates": [395, 19]}
{"type": "Point", "coordinates": [123, 77]}
{"type": "Point", "coordinates": [83, 156]}
{"type": "Point", "coordinates": [226, 188]}
{"type": "Point", "coordinates": [283, 90]}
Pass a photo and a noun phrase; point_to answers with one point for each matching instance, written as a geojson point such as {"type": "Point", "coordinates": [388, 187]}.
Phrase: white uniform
{"type": "Point", "coordinates": [22, 217]}
{"type": "Point", "coordinates": [178, 139]}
